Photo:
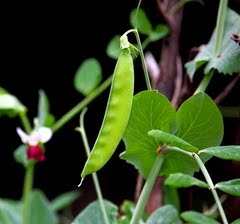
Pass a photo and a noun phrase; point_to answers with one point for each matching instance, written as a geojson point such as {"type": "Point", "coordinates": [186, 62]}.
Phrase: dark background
{"type": "Point", "coordinates": [42, 44]}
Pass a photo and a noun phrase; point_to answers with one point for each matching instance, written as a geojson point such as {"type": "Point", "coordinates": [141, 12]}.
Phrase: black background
{"type": "Point", "coordinates": [42, 44]}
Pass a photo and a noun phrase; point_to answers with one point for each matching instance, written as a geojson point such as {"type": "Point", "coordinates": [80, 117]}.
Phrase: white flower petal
{"type": "Point", "coordinates": [25, 138]}
{"type": "Point", "coordinates": [44, 134]}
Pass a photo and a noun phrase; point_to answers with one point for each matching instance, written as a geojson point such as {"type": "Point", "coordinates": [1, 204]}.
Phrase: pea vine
{"type": "Point", "coordinates": [160, 140]}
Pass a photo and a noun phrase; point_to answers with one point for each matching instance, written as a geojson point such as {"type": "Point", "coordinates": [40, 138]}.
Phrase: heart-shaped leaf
{"type": "Point", "coordinates": [183, 180]}
{"type": "Point", "coordinates": [223, 152]}
{"type": "Point", "coordinates": [197, 218]}
{"type": "Point", "coordinates": [88, 76]}
{"type": "Point", "coordinates": [231, 187]}
{"type": "Point", "coordinates": [164, 215]}
{"type": "Point", "coordinates": [150, 110]}
{"type": "Point", "coordinates": [200, 122]}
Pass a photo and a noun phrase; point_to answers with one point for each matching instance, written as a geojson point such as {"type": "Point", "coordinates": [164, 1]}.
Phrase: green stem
{"type": "Point", "coordinates": [207, 177]}
{"type": "Point", "coordinates": [144, 66]}
{"type": "Point", "coordinates": [205, 81]}
{"type": "Point", "coordinates": [212, 187]}
{"type": "Point", "coordinates": [25, 122]}
{"type": "Point", "coordinates": [94, 175]}
{"type": "Point", "coordinates": [147, 189]}
{"type": "Point", "coordinates": [27, 193]}
{"type": "Point", "coordinates": [221, 17]}
{"type": "Point", "coordinates": [75, 110]}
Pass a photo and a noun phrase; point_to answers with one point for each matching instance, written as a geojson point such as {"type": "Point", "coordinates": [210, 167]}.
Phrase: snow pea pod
{"type": "Point", "coordinates": [116, 115]}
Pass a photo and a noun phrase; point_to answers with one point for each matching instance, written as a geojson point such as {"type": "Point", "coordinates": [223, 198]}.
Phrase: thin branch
{"type": "Point", "coordinates": [227, 90]}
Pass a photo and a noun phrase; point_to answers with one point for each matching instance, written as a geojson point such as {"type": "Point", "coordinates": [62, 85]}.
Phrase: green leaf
{"type": "Point", "coordinates": [164, 215]}
{"type": "Point", "coordinates": [163, 138]}
{"type": "Point", "coordinates": [113, 47]}
{"type": "Point", "coordinates": [64, 200]}
{"type": "Point", "coordinates": [231, 152]}
{"type": "Point", "coordinates": [197, 218]}
{"type": "Point", "coordinates": [228, 61]}
{"type": "Point", "coordinates": [88, 76]}
{"type": "Point", "coordinates": [182, 180]}
{"type": "Point", "coordinates": [171, 196]}
{"type": "Point", "coordinates": [43, 108]}
{"type": "Point", "coordinates": [237, 221]}
{"type": "Point", "coordinates": [141, 22]}
{"type": "Point", "coordinates": [20, 155]}
{"type": "Point", "coordinates": [159, 32]}
{"type": "Point", "coordinates": [10, 211]}
{"type": "Point", "coordinates": [9, 104]}
{"type": "Point", "coordinates": [41, 211]}
{"type": "Point", "coordinates": [92, 214]}
{"type": "Point", "coordinates": [200, 122]}
{"type": "Point", "coordinates": [150, 110]}
{"type": "Point", "coordinates": [231, 187]}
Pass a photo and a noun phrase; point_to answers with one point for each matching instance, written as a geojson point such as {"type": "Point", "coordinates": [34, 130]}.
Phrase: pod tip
{"type": "Point", "coordinates": [79, 185]}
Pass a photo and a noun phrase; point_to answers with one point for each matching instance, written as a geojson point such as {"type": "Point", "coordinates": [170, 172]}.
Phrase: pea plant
{"type": "Point", "coordinates": [170, 140]}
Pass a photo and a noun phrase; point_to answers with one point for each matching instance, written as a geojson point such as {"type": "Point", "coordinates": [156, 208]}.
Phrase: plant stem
{"type": "Point", "coordinates": [144, 66]}
{"type": "Point", "coordinates": [204, 83]}
{"type": "Point", "coordinates": [212, 187]}
{"type": "Point", "coordinates": [94, 175]}
{"type": "Point", "coordinates": [28, 180]}
{"type": "Point", "coordinates": [221, 17]}
{"type": "Point", "coordinates": [147, 189]}
{"type": "Point", "coordinates": [207, 177]}
{"type": "Point", "coordinates": [75, 110]}
{"type": "Point", "coordinates": [25, 122]}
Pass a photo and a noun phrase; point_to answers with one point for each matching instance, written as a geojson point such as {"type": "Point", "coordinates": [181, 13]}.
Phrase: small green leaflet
{"type": "Point", "coordinates": [9, 104]}
{"type": "Point", "coordinates": [228, 61]}
{"type": "Point", "coordinates": [92, 214]}
{"type": "Point", "coordinates": [141, 21]}
{"type": "Point", "coordinates": [113, 47]}
{"type": "Point", "coordinates": [164, 215]}
{"type": "Point", "coordinates": [231, 187]}
{"type": "Point", "coordinates": [197, 218]}
{"type": "Point", "coordinates": [164, 138]}
{"type": "Point", "coordinates": [183, 180]}
{"type": "Point", "coordinates": [237, 221]}
{"type": "Point", "coordinates": [88, 76]}
{"type": "Point", "coordinates": [20, 155]}
{"type": "Point", "coordinates": [231, 152]}
{"type": "Point", "coordinates": [64, 200]}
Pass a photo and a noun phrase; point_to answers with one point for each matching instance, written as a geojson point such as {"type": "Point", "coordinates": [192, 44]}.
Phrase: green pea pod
{"type": "Point", "coordinates": [116, 115]}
